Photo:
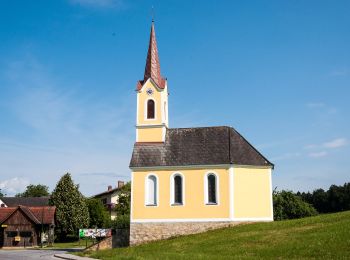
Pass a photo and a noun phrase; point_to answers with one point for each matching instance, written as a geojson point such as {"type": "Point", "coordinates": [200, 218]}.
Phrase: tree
{"type": "Point", "coordinates": [71, 210]}
{"type": "Point", "coordinates": [1, 194]}
{"type": "Point", "coordinates": [35, 191]}
{"type": "Point", "coordinates": [122, 207]}
{"type": "Point", "coordinates": [99, 217]}
{"type": "Point", "coordinates": [289, 206]}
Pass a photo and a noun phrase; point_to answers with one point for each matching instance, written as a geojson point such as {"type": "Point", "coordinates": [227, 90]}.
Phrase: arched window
{"type": "Point", "coordinates": [211, 189]}
{"type": "Point", "coordinates": [177, 189]}
{"type": "Point", "coordinates": [151, 190]}
{"type": "Point", "coordinates": [150, 109]}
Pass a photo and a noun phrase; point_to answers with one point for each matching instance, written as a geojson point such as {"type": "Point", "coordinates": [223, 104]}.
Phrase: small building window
{"type": "Point", "coordinates": [25, 233]}
{"type": "Point", "coordinates": [211, 189]}
{"type": "Point", "coordinates": [150, 109]}
{"type": "Point", "coordinates": [177, 189]}
{"type": "Point", "coordinates": [151, 191]}
{"type": "Point", "coordinates": [11, 233]}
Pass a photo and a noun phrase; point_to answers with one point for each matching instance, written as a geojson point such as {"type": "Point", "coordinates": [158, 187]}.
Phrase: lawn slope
{"type": "Point", "coordinates": [323, 236]}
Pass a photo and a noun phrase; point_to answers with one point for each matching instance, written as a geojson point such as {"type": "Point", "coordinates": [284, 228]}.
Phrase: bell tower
{"type": "Point", "coordinates": [152, 98]}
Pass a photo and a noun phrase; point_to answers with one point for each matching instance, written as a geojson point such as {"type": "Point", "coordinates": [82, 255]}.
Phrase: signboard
{"type": "Point", "coordinates": [3, 225]}
{"type": "Point", "coordinates": [93, 233]}
{"type": "Point", "coordinates": [17, 238]}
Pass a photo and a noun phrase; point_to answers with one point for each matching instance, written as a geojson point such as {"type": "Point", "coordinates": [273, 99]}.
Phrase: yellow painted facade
{"type": "Point", "coordinates": [243, 194]}
{"type": "Point", "coordinates": [194, 205]}
{"type": "Point", "coordinates": [252, 193]}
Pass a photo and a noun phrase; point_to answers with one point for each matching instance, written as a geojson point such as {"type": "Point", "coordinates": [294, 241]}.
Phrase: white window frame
{"type": "Point", "coordinates": [146, 110]}
{"type": "Point", "coordinates": [147, 204]}
{"type": "Point", "coordinates": [217, 190]}
{"type": "Point", "coordinates": [172, 189]}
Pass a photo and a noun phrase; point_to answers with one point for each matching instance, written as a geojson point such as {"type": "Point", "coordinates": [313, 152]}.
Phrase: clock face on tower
{"type": "Point", "coordinates": [149, 92]}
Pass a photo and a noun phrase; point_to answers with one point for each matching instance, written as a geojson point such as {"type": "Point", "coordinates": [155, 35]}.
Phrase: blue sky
{"type": "Point", "coordinates": [277, 71]}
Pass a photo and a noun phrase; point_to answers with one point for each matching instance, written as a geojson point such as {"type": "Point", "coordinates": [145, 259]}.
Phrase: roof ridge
{"type": "Point", "coordinates": [201, 127]}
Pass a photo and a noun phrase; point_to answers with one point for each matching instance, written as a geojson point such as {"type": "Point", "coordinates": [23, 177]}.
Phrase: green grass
{"type": "Point", "coordinates": [72, 244]}
{"type": "Point", "coordinates": [324, 236]}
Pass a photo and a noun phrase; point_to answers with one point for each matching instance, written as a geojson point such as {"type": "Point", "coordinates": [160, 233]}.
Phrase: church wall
{"type": "Point", "coordinates": [194, 199]}
{"type": "Point", "coordinates": [252, 193]}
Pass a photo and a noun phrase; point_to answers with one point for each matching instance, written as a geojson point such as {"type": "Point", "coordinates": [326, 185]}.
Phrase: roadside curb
{"type": "Point", "coordinates": [72, 257]}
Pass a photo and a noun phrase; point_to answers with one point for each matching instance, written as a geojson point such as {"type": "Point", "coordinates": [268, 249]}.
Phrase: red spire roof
{"type": "Point", "coordinates": [152, 69]}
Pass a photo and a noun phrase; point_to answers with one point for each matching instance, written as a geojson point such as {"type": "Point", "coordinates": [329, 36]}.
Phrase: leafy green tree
{"type": "Point", "coordinates": [122, 206]}
{"type": "Point", "coordinates": [72, 212]}
{"type": "Point", "coordinates": [99, 217]}
{"type": "Point", "coordinates": [1, 194]}
{"type": "Point", "coordinates": [287, 205]}
{"type": "Point", "coordinates": [35, 191]}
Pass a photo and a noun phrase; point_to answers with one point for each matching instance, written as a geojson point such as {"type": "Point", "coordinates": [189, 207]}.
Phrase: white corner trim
{"type": "Point", "coordinates": [137, 108]}
{"type": "Point", "coordinates": [217, 188]}
{"type": "Point", "coordinates": [163, 133]}
{"type": "Point", "coordinates": [271, 197]}
{"type": "Point", "coordinates": [172, 190]}
{"type": "Point", "coordinates": [231, 191]}
{"type": "Point", "coordinates": [146, 194]}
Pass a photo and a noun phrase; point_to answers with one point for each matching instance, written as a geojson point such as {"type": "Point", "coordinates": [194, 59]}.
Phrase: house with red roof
{"type": "Point", "coordinates": [26, 226]}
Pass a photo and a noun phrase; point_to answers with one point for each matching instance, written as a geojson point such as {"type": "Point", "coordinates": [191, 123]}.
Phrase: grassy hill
{"type": "Point", "coordinates": [323, 236]}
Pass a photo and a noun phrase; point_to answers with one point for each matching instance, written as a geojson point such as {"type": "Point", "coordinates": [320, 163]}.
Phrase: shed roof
{"type": "Point", "coordinates": [26, 201]}
{"type": "Point", "coordinates": [39, 215]}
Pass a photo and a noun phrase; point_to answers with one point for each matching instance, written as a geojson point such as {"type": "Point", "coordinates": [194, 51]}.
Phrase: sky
{"type": "Point", "coordinates": [276, 71]}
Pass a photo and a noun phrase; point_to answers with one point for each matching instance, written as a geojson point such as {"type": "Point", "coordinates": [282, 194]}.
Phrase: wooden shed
{"type": "Point", "coordinates": [24, 226]}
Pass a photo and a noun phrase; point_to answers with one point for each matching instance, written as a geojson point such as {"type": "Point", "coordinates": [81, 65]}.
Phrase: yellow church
{"type": "Point", "coordinates": [189, 180]}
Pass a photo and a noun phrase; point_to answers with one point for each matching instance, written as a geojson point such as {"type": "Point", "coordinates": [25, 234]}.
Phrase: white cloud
{"type": "Point", "coordinates": [12, 186]}
{"type": "Point", "coordinates": [285, 157]}
{"type": "Point", "coordinates": [318, 154]}
{"type": "Point", "coordinates": [336, 143]}
{"type": "Point", "coordinates": [98, 3]}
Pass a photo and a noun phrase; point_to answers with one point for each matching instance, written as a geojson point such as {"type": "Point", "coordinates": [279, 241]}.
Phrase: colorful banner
{"type": "Point", "coordinates": [93, 233]}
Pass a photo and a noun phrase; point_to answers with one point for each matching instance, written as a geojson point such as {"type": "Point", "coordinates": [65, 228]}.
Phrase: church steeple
{"type": "Point", "coordinates": [152, 68]}
{"type": "Point", "coordinates": [152, 98]}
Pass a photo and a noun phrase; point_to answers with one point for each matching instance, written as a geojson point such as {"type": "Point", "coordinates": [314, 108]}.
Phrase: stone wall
{"type": "Point", "coordinates": [103, 244]}
{"type": "Point", "coordinates": [119, 238]}
{"type": "Point", "coordinates": [145, 232]}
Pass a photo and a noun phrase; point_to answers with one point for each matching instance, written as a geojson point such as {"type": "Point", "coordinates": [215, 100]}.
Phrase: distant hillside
{"type": "Point", "coordinates": [323, 236]}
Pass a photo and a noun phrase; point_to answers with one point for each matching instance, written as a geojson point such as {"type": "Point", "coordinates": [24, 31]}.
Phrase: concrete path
{"type": "Point", "coordinates": [32, 254]}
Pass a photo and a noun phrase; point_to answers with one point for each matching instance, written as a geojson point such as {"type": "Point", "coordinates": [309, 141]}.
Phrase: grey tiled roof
{"type": "Point", "coordinates": [26, 201]}
{"type": "Point", "coordinates": [198, 146]}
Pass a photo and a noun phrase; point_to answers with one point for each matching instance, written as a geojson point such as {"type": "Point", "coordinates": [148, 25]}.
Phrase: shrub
{"type": "Point", "coordinates": [289, 206]}
{"type": "Point", "coordinates": [122, 221]}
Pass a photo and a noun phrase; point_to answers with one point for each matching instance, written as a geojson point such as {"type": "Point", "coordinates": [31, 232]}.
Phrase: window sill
{"type": "Point", "coordinates": [151, 205]}
{"type": "Point", "coordinates": [177, 204]}
{"type": "Point", "coordinates": [211, 204]}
